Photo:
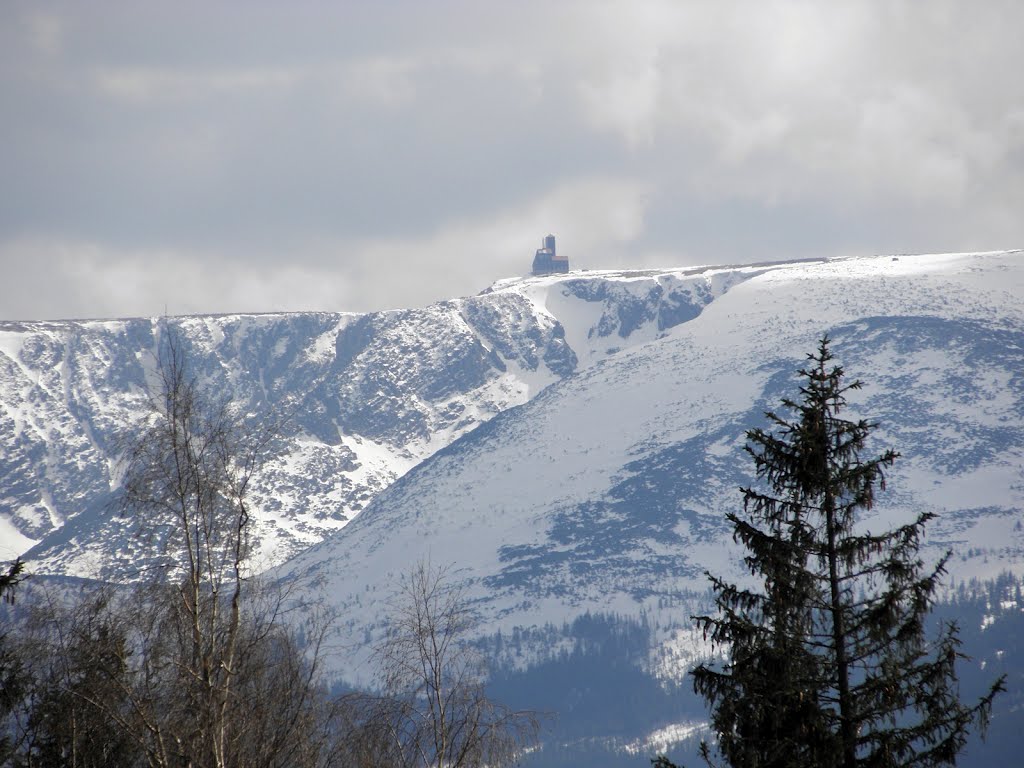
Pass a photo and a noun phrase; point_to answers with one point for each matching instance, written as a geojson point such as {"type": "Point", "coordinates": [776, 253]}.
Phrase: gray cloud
{"type": "Point", "coordinates": [370, 155]}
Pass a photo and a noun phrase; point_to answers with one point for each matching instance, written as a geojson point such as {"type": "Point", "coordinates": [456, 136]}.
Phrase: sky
{"type": "Point", "coordinates": [199, 157]}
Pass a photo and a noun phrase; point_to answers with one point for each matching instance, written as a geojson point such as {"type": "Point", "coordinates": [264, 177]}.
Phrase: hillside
{"type": "Point", "coordinates": [567, 447]}
{"type": "Point", "coordinates": [366, 398]}
{"type": "Point", "coordinates": [606, 492]}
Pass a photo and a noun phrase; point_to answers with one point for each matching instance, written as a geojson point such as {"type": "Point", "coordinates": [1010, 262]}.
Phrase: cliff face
{"type": "Point", "coordinates": [367, 398]}
{"type": "Point", "coordinates": [624, 397]}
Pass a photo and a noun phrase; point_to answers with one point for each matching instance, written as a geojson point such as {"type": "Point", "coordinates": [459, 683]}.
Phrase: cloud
{"type": "Point", "coordinates": [600, 218]}
{"type": "Point", "coordinates": [45, 33]}
{"type": "Point", "coordinates": [336, 140]}
{"type": "Point", "coordinates": [169, 86]}
{"type": "Point", "coordinates": [76, 280]}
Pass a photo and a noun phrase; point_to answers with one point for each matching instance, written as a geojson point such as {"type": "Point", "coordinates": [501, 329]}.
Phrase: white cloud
{"type": "Point", "coordinates": [351, 138]}
{"type": "Point", "coordinates": [46, 33]}
{"type": "Point", "coordinates": [86, 280]}
{"type": "Point", "coordinates": [382, 80]}
{"type": "Point", "coordinates": [595, 221]}
{"type": "Point", "coordinates": [135, 84]}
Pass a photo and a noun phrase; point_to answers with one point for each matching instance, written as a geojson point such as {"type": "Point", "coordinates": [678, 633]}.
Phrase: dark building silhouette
{"type": "Point", "coordinates": [547, 261]}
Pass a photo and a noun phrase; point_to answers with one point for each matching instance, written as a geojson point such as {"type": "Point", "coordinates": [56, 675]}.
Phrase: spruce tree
{"type": "Point", "coordinates": [828, 657]}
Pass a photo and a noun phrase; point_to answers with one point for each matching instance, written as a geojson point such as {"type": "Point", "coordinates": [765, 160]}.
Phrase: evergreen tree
{"type": "Point", "coordinates": [829, 663]}
{"type": "Point", "coordinates": [11, 666]}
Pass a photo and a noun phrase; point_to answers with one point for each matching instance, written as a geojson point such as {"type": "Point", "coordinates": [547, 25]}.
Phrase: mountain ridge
{"type": "Point", "coordinates": [608, 491]}
{"type": "Point", "coordinates": [566, 446]}
{"type": "Point", "coordinates": [377, 393]}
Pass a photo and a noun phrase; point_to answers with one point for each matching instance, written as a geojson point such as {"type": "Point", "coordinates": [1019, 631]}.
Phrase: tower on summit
{"type": "Point", "coordinates": [547, 261]}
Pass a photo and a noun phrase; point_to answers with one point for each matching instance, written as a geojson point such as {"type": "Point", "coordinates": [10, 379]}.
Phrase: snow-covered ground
{"type": "Point", "coordinates": [606, 492]}
{"type": "Point", "coordinates": [567, 443]}
{"type": "Point", "coordinates": [369, 396]}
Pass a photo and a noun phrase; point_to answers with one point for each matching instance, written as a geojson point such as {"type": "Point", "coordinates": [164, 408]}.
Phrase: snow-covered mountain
{"type": "Point", "coordinates": [367, 396]}
{"type": "Point", "coordinates": [566, 445]}
{"type": "Point", "coordinates": [606, 492]}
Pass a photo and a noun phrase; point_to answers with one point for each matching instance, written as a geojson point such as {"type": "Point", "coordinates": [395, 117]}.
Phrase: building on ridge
{"type": "Point", "coordinates": [547, 261]}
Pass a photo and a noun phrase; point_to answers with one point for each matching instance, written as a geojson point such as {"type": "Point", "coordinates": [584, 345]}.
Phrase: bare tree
{"type": "Point", "coordinates": [217, 678]}
{"type": "Point", "coordinates": [187, 477]}
{"type": "Point", "coordinates": [197, 666]}
{"type": "Point", "coordinates": [434, 710]}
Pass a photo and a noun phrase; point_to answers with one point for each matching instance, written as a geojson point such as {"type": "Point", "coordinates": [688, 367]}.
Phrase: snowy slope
{"type": "Point", "coordinates": [369, 397]}
{"type": "Point", "coordinates": [607, 491]}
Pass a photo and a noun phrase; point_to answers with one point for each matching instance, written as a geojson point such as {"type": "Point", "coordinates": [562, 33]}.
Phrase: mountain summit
{"type": "Point", "coordinates": [368, 397]}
